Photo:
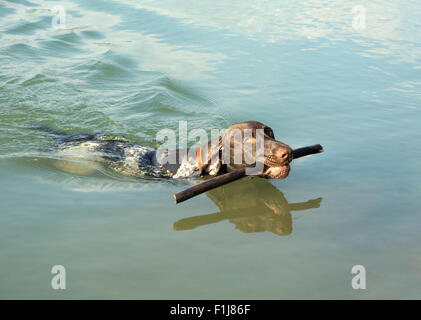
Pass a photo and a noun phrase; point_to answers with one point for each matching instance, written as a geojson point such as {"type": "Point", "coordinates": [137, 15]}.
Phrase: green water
{"type": "Point", "coordinates": [134, 67]}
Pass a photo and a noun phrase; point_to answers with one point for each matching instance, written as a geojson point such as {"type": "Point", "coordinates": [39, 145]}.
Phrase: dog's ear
{"type": "Point", "coordinates": [210, 160]}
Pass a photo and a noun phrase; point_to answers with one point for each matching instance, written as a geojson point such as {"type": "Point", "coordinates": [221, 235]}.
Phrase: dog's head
{"type": "Point", "coordinates": [247, 144]}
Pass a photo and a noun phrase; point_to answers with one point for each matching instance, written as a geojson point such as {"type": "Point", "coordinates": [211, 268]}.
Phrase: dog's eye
{"type": "Point", "coordinates": [269, 132]}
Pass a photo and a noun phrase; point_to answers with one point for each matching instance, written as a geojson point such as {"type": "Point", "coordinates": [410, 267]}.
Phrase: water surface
{"type": "Point", "coordinates": [134, 67]}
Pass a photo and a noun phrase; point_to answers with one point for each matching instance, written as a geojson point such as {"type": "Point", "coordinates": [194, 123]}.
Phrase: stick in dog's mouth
{"type": "Point", "coordinates": [238, 174]}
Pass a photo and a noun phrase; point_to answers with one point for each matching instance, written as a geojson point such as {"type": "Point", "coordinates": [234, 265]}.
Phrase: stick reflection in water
{"type": "Point", "coordinates": [252, 205]}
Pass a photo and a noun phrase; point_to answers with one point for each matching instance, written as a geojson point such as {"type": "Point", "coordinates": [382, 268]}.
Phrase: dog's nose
{"type": "Point", "coordinates": [284, 154]}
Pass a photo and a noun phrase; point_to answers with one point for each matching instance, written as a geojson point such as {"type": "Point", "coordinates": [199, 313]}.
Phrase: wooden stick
{"type": "Point", "coordinates": [209, 184]}
{"type": "Point", "coordinates": [306, 151]}
{"type": "Point", "coordinates": [234, 175]}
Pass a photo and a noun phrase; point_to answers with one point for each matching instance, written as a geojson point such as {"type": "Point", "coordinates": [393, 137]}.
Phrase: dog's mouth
{"type": "Point", "coordinates": [276, 168]}
{"type": "Point", "coordinates": [276, 172]}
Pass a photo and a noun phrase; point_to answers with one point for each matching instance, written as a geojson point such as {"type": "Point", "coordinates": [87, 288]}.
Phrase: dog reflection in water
{"type": "Point", "coordinates": [252, 205]}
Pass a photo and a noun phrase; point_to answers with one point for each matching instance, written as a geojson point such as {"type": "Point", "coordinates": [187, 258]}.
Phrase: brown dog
{"type": "Point", "coordinates": [244, 144]}
{"type": "Point", "coordinates": [275, 155]}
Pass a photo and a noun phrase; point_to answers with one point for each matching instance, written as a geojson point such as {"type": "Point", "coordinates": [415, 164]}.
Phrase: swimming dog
{"type": "Point", "coordinates": [226, 153]}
